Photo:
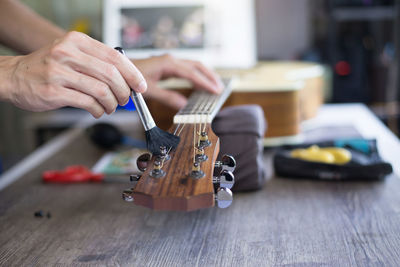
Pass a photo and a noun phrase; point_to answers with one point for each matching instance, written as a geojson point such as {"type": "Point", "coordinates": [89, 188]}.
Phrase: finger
{"type": "Point", "coordinates": [181, 69]}
{"type": "Point", "coordinates": [167, 97]}
{"type": "Point", "coordinates": [104, 72]}
{"type": "Point", "coordinates": [92, 87]}
{"type": "Point", "coordinates": [72, 98]}
{"type": "Point", "coordinates": [212, 76]}
{"type": "Point", "coordinates": [90, 46]}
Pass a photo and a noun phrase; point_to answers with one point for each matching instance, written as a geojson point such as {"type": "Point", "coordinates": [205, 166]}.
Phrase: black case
{"type": "Point", "coordinates": [364, 165]}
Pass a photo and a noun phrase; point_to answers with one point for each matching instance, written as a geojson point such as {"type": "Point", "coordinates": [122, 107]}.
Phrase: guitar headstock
{"type": "Point", "coordinates": [182, 179]}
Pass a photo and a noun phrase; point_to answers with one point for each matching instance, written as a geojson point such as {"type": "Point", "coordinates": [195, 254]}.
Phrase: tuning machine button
{"type": "Point", "coordinates": [224, 197]}
{"type": "Point", "coordinates": [127, 195]}
{"type": "Point", "coordinates": [142, 161]}
{"type": "Point", "coordinates": [225, 179]}
{"type": "Point", "coordinates": [227, 163]}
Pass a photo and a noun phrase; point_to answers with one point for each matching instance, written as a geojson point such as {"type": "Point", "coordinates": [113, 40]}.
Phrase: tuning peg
{"type": "Point", "coordinates": [227, 163]}
{"type": "Point", "coordinates": [196, 172]}
{"type": "Point", "coordinates": [204, 141]}
{"type": "Point", "coordinates": [225, 179]}
{"type": "Point", "coordinates": [223, 197]}
{"type": "Point", "coordinates": [200, 156]}
{"type": "Point", "coordinates": [142, 161]}
{"type": "Point", "coordinates": [127, 195]}
{"type": "Point", "coordinates": [164, 156]}
{"type": "Point", "coordinates": [157, 172]}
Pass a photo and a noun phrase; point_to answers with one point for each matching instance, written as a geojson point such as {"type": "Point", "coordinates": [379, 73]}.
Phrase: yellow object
{"type": "Point", "coordinates": [81, 25]}
{"type": "Point", "coordinates": [342, 156]}
{"type": "Point", "coordinates": [331, 155]}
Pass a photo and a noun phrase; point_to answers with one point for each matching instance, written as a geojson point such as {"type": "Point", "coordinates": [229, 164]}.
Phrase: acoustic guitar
{"type": "Point", "coordinates": [288, 92]}
{"type": "Point", "coordinates": [183, 179]}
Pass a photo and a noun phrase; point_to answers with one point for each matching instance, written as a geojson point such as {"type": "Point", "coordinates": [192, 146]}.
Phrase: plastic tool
{"type": "Point", "coordinates": [72, 174]}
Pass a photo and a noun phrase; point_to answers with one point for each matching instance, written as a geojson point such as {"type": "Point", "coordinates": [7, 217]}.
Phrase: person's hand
{"type": "Point", "coordinates": [75, 71]}
{"type": "Point", "coordinates": [162, 67]}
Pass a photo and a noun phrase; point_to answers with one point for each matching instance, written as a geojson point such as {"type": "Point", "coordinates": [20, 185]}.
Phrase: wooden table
{"type": "Point", "coordinates": [289, 222]}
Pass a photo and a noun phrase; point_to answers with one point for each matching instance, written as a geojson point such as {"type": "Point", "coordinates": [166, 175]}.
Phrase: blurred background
{"type": "Point", "coordinates": [356, 40]}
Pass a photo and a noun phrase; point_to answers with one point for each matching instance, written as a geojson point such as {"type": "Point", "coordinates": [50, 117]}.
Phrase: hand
{"type": "Point", "coordinates": [162, 67]}
{"type": "Point", "coordinates": [75, 71]}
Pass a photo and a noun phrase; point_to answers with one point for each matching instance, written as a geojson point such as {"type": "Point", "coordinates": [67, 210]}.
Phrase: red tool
{"type": "Point", "coordinates": [72, 174]}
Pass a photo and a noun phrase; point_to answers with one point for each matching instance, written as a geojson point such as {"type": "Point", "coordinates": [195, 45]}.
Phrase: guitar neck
{"type": "Point", "coordinates": [203, 106]}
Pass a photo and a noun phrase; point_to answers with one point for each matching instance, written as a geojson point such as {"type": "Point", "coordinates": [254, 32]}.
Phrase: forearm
{"type": "Point", "coordinates": [24, 30]}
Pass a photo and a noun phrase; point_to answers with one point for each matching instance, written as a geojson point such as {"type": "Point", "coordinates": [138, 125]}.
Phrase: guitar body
{"type": "Point", "coordinates": [177, 190]}
{"type": "Point", "coordinates": [288, 92]}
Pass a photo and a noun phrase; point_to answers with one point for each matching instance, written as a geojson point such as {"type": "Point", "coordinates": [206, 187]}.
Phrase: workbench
{"type": "Point", "coordinates": [289, 222]}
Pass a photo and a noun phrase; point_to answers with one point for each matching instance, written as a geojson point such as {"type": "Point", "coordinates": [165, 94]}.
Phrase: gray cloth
{"type": "Point", "coordinates": [241, 131]}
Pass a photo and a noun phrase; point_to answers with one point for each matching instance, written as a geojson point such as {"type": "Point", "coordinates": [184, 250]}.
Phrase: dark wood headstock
{"type": "Point", "coordinates": [177, 189]}
{"type": "Point", "coordinates": [182, 179]}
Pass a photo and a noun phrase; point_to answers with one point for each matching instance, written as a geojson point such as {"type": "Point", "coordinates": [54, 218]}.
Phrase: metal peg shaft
{"type": "Point", "coordinates": [134, 177]}
{"type": "Point", "coordinates": [227, 163]}
{"type": "Point", "coordinates": [225, 179]}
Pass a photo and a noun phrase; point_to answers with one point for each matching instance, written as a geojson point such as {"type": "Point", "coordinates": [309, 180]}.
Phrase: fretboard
{"type": "Point", "coordinates": [203, 106]}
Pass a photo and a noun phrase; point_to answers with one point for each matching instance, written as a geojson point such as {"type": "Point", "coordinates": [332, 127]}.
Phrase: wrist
{"type": "Point", "coordinates": [8, 65]}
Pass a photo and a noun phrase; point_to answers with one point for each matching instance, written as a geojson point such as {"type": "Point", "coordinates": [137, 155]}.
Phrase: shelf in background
{"type": "Point", "coordinates": [363, 13]}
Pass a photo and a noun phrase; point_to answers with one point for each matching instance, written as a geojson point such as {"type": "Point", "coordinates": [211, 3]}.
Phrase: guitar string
{"type": "Point", "coordinates": [179, 133]}
{"type": "Point", "coordinates": [170, 148]}
{"type": "Point", "coordinates": [207, 103]}
{"type": "Point", "coordinates": [202, 115]}
{"type": "Point", "coordinates": [200, 121]}
{"type": "Point", "coordinates": [181, 129]}
{"type": "Point", "coordinates": [203, 106]}
{"type": "Point", "coordinates": [197, 121]}
{"type": "Point", "coordinates": [193, 108]}
{"type": "Point", "coordinates": [194, 143]}
{"type": "Point", "coordinates": [209, 100]}
{"type": "Point", "coordinates": [177, 127]}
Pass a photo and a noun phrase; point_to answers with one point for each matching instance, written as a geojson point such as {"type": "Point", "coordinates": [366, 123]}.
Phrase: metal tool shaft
{"type": "Point", "coordinates": [143, 111]}
{"type": "Point", "coordinates": [141, 107]}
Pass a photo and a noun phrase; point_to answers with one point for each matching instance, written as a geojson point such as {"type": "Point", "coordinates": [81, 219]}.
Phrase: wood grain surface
{"type": "Point", "coordinates": [177, 190]}
{"type": "Point", "coordinates": [288, 223]}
